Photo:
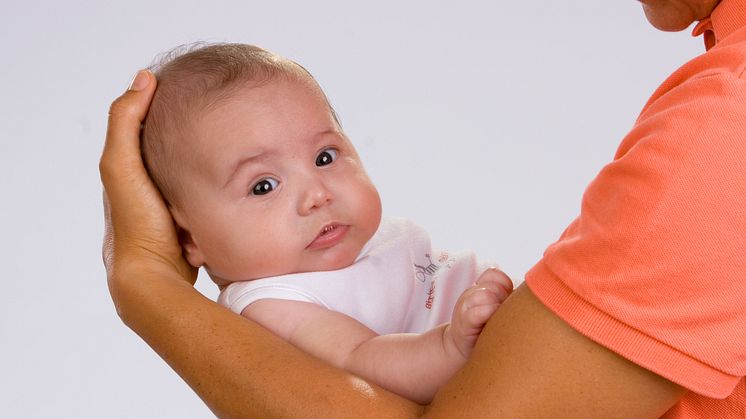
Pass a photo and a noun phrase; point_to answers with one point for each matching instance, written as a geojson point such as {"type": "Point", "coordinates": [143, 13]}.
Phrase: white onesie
{"type": "Point", "coordinates": [398, 283]}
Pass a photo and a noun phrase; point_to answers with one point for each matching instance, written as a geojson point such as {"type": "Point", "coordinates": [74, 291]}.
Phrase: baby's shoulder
{"type": "Point", "coordinates": [393, 228]}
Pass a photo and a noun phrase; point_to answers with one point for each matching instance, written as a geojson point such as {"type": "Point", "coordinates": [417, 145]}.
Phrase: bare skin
{"type": "Point", "coordinates": [526, 363]}
{"type": "Point", "coordinates": [676, 15]}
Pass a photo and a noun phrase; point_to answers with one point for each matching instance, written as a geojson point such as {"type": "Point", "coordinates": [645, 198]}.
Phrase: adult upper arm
{"type": "Point", "coordinates": [529, 363]}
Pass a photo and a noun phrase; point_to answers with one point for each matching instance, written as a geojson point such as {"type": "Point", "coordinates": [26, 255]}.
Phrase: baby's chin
{"type": "Point", "coordinates": [339, 258]}
{"type": "Point", "coordinates": [336, 260]}
{"type": "Point", "coordinates": [220, 282]}
{"type": "Point", "coordinates": [337, 265]}
{"type": "Point", "coordinates": [326, 266]}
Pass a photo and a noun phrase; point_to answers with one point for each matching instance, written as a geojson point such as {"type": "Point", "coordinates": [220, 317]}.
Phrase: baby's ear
{"type": "Point", "coordinates": [192, 252]}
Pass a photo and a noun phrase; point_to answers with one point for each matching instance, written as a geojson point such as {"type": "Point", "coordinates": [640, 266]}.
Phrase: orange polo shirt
{"type": "Point", "coordinates": [654, 268]}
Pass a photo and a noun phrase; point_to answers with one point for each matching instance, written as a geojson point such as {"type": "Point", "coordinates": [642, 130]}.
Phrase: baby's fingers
{"type": "Point", "coordinates": [497, 281]}
{"type": "Point", "coordinates": [478, 296]}
{"type": "Point", "coordinates": [475, 306]}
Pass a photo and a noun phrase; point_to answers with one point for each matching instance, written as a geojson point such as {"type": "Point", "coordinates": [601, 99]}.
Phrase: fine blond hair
{"type": "Point", "coordinates": [191, 80]}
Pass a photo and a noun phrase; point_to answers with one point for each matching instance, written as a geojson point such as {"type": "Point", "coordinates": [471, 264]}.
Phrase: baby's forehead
{"type": "Point", "coordinates": [266, 115]}
{"type": "Point", "coordinates": [257, 104]}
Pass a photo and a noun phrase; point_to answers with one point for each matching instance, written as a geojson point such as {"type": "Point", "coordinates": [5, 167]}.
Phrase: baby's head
{"type": "Point", "coordinates": [254, 166]}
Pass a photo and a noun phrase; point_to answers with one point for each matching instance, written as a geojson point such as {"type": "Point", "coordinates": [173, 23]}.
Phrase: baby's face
{"type": "Point", "coordinates": [277, 188]}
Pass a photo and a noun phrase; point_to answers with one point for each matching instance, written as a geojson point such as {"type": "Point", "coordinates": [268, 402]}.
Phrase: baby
{"type": "Point", "coordinates": [270, 196]}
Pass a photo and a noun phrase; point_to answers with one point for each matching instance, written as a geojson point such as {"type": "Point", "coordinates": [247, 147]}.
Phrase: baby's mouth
{"type": "Point", "coordinates": [327, 229]}
{"type": "Point", "coordinates": [329, 235]}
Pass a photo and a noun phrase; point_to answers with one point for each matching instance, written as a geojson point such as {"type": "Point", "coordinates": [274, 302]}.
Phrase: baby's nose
{"type": "Point", "coordinates": [316, 195]}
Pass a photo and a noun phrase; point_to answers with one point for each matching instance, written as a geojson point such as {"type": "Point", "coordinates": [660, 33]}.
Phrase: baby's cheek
{"type": "Point", "coordinates": [372, 205]}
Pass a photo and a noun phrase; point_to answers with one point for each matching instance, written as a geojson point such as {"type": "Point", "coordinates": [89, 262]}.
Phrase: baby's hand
{"type": "Point", "coordinates": [475, 306]}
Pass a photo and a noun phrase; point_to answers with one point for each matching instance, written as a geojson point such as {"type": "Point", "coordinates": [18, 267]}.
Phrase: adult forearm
{"type": "Point", "coordinates": [237, 367]}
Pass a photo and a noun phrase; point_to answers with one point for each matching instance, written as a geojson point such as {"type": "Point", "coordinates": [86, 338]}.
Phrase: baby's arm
{"type": "Point", "coordinates": [412, 365]}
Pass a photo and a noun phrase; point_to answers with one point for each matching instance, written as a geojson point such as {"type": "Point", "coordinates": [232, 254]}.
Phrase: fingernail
{"type": "Point", "coordinates": [140, 81]}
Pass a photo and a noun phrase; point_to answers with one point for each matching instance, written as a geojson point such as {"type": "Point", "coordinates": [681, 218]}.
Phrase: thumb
{"type": "Point", "coordinates": [122, 146]}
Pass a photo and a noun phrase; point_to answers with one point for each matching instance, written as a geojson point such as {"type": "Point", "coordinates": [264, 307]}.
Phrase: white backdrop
{"type": "Point", "coordinates": [483, 122]}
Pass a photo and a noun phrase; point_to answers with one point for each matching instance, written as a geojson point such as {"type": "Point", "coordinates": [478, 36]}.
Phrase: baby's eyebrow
{"type": "Point", "coordinates": [328, 132]}
{"type": "Point", "coordinates": [243, 162]}
{"type": "Point", "coordinates": [264, 155]}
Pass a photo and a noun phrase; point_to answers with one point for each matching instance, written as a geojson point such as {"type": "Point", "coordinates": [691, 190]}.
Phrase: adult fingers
{"type": "Point", "coordinates": [130, 199]}
{"type": "Point", "coordinates": [121, 155]}
{"type": "Point", "coordinates": [138, 225]}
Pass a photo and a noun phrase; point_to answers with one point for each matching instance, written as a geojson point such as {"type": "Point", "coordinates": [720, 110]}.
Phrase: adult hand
{"type": "Point", "coordinates": [236, 366]}
{"type": "Point", "coordinates": [140, 237]}
{"type": "Point", "coordinates": [527, 361]}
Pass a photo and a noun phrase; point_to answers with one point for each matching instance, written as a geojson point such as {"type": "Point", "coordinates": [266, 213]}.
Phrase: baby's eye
{"type": "Point", "coordinates": [264, 186]}
{"type": "Point", "coordinates": [326, 157]}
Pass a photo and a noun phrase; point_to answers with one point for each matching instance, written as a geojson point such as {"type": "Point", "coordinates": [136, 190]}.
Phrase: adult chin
{"type": "Point", "coordinates": [672, 18]}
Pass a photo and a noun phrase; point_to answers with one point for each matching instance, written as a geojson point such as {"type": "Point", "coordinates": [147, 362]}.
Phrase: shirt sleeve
{"type": "Point", "coordinates": [239, 295]}
{"type": "Point", "coordinates": [654, 268]}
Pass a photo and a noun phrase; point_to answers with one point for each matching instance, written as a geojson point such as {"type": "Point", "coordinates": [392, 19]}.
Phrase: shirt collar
{"type": "Point", "coordinates": [727, 17]}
